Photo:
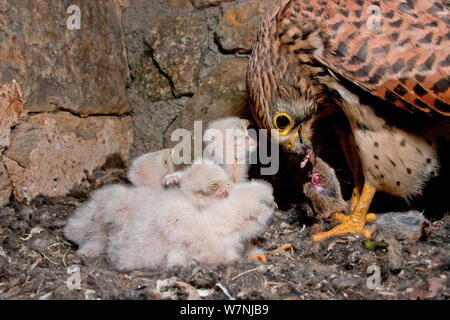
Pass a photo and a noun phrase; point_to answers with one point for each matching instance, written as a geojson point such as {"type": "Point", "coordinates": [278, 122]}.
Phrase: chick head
{"type": "Point", "coordinates": [205, 179]}
{"type": "Point", "coordinates": [229, 139]}
{"type": "Point", "coordinates": [150, 168]}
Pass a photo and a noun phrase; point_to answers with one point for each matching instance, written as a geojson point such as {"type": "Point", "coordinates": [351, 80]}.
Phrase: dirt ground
{"type": "Point", "coordinates": [36, 262]}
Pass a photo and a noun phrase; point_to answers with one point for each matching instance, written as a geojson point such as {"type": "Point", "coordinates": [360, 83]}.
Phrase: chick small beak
{"type": "Point", "coordinates": [222, 193]}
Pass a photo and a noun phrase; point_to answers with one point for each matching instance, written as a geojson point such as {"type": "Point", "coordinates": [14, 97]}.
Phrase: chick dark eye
{"type": "Point", "coordinates": [165, 162]}
{"type": "Point", "coordinates": [214, 185]}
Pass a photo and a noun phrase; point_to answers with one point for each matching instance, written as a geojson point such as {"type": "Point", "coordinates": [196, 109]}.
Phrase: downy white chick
{"type": "Point", "coordinates": [162, 232]}
{"type": "Point", "coordinates": [204, 182]}
{"type": "Point", "coordinates": [148, 169]}
{"type": "Point", "coordinates": [170, 230]}
{"type": "Point", "coordinates": [230, 146]}
{"type": "Point", "coordinates": [226, 228]}
{"type": "Point", "coordinates": [114, 205]}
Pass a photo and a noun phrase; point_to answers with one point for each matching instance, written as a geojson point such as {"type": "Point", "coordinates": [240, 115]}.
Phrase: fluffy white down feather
{"type": "Point", "coordinates": [170, 230]}
{"type": "Point", "coordinates": [229, 144]}
{"type": "Point", "coordinates": [115, 204]}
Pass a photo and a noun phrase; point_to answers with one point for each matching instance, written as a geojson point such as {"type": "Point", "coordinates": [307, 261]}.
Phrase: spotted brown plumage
{"type": "Point", "coordinates": [359, 58]}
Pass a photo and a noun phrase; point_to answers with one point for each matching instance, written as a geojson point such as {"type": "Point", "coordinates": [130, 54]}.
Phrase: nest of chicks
{"type": "Point", "coordinates": [207, 213]}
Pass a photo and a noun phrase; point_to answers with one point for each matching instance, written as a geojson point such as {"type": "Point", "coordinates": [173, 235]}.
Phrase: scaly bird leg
{"type": "Point", "coordinates": [356, 220]}
{"type": "Point", "coordinates": [353, 159]}
{"type": "Point", "coordinates": [339, 216]}
{"type": "Point", "coordinates": [356, 195]}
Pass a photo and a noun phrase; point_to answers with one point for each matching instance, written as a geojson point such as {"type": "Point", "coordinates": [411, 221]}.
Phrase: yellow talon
{"type": "Point", "coordinates": [355, 222]}
{"type": "Point", "coordinates": [339, 216]}
{"type": "Point", "coordinates": [371, 217]}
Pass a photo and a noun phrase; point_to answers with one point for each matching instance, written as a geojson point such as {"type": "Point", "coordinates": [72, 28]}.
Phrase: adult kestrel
{"type": "Point", "coordinates": [361, 59]}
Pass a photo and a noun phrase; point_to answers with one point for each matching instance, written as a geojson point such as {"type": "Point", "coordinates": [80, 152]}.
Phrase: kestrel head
{"type": "Point", "coordinates": [286, 110]}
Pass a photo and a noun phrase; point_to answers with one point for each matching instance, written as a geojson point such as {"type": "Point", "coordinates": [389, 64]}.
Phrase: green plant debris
{"type": "Point", "coordinates": [378, 246]}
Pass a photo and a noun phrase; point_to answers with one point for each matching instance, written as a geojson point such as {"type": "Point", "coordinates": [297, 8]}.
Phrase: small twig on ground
{"type": "Point", "coordinates": [244, 273]}
{"type": "Point", "coordinates": [282, 250]}
{"type": "Point", "coordinates": [40, 285]}
{"type": "Point", "coordinates": [303, 228]}
{"type": "Point", "coordinates": [420, 269]}
{"type": "Point", "coordinates": [33, 231]}
{"type": "Point", "coordinates": [144, 279]}
{"type": "Point", "coordinates": [222, 286]}
{"type": "Point", "coordinates": [64, 257]}
{"type": "Point", "coordinates": [58, 252]}
{"type": "Point", "coordinates": [51, 261]}
{"type": "Point", "coordinates": [2, 252]}
{"type": "Point", "coordinates": [191, 291]}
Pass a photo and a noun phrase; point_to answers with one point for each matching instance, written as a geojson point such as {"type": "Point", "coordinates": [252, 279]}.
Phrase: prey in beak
{"type": "Point", "coordinates": [297, 142]}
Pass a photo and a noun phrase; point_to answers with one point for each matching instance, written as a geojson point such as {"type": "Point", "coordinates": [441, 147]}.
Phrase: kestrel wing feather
{"type": "Point", "coordinates": [397, 50]}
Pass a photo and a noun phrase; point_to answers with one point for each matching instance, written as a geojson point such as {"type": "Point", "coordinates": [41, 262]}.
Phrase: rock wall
{"type": "Point", "coordinates": [63, 94]}
{"type": "Point", "coordinates": [11, 112]}
{"type": "Point", "coordinates": [188, 60]}
{"type": "Point", "coordinates": [134, 71]}
{"type": "Point", "coordinates": [81, 70]}
{"type": "Point", "coordinates": [50, 152]}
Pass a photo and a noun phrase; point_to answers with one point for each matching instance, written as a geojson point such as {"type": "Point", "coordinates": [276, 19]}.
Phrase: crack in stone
{"type": "Point", "coordinates": [79, 115]}
{"type": "Point", "coordinates": [151, 53]}
{"type": "Point", "coordinates": [228, 52]}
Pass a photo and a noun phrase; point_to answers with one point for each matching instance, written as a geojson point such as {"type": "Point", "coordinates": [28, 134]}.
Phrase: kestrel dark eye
{"type": "Point", "coordinates": [283, 122]}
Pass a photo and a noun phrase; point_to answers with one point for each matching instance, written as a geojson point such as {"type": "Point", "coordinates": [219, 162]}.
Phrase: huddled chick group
{"type": "Point", "coordinates": [208, 212]}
